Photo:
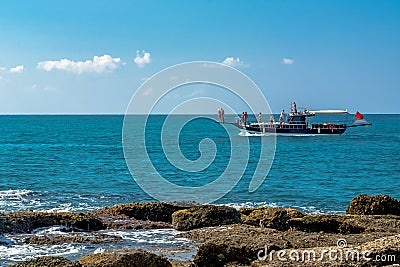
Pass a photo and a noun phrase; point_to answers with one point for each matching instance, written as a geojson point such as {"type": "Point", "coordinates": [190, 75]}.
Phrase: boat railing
{"type": "Point", "coordinates": [328, 126]}
{"type": "Point", "coordinates": [279, 125]}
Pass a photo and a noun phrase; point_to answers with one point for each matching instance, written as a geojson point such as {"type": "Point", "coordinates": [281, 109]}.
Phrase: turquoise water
{"type": "Point", "coordinates": [76, 163]}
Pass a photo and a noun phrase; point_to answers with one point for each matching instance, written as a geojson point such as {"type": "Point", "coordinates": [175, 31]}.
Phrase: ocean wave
{"type": "Point", "coordinates": [22, 252]}
{"type": "Point", "coordinates": [305, 209]}
{"type": "Point", "coordinates": [15, 194]}
{"type": "Point", "coordinates": [154, 240]}
{"type": "Point", "coordinates": [28, 200]}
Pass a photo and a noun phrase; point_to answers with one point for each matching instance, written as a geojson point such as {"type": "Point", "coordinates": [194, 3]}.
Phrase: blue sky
{"type": "Point", "coordinates": [321, 54]}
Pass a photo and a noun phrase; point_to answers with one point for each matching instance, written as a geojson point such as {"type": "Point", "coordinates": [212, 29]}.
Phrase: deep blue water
{"type": "Point", "coordinates": [77, 163]}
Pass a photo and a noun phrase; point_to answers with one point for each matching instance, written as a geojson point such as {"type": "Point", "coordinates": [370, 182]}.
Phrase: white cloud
{"type": "Point", "coordinates": [231, 61]}
{"type": "Point", "coordinates": [17, 69]}
{"type": "Point", "coordinates": [142, 60]}
{"type": "Point", "coordinates": [147, 92]}
{"type": "Point", "coordinates": [98, 64]}
{"type": "Point", "coordinates": [288, 61]}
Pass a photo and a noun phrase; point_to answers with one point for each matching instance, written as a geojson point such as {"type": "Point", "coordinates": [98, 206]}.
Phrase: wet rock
{"type": "Point", "coordinates": [48, 261]}
{"type": "Point", "coordinates": [234, 244]}
{"type": "Point", "coordinates": [317, 223]}
{"type": "Point", "coordinates": [351, 226]}
{"type": "Point", "coordinates": [82, 238]}
{"type": "Point", "coordinates": [203, 216]}
{"type": "Point", "coordinates": [219, 254]}
{"type": "Point", "coordinates": [276, 218]}
{"type": "Point", "coordinates": [25, 222]}
{"type": "Point", "coordinates": [123, 222]}
{"type": "Point", "coordinates": [151, 211]}
{"type": "Point", "coordinates": [374, 205]}
{"type": "Point", "coordinates": [131, 259]}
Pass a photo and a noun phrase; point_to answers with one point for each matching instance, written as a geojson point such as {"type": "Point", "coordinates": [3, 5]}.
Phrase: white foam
{"type": "Point", "coordinates": [245, 133]}
{"type": "Point", "coordinates": [14, 194]}
{"type": "Point", "coordinates": [53, 230]}
{"type": "Point", "coordinates": [18, 253]}
{"type": "Point", "coordinates": [152, 237]}
{"type": "Point", "coordinates": [99, 251]}
{"type": "Point", "coordinates": [306, 209]}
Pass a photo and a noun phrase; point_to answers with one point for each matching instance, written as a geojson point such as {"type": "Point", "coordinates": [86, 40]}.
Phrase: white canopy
{"type": "Point", "coordinates": [330, 111]}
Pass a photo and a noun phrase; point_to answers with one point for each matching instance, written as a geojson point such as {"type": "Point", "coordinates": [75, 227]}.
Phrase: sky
{"type": "Point", "coordinates": [91, 57]}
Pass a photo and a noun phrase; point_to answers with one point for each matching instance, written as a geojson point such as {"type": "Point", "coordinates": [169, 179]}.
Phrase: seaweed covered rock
{"type": "Point", "coordinates": [203, 216]}
{"type": "Point", "coordinates": [152, 211]}
{"type": "Point", "coordinates": [25, 222]}
{"type": "Point", "coordinates": [328, 223]}
{"type": "Point", "coordinates": [374, 205]}
{"type": "Point", "coordinates": [48, 261]}
{"type": "Point", "coordinates": [276, 218]}
{"type": "Point", "coordinates": [317, 223]}
{"type": "Point", "coordinates": [132, 259]}
{"type": "Point", "coordinates": [213, 254]}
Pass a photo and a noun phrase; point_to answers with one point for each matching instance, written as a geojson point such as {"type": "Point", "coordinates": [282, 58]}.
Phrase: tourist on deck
{"type": "Point", "coordinates": [271, 118]}
{"type": "Point", "coordinates": [259, 118]}
{"type": "Point", "coordinates": [281, 116]}
{"type": "Point", "coordinates": [223, 115]}
{"type": "Point", "coordinates": [245, 117]}
{"type": "Point", "coordinates": [294, 107]}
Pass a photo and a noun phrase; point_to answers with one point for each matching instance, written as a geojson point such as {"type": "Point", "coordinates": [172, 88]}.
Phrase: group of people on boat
{"type": "Point", "coordinates": [245, 116]}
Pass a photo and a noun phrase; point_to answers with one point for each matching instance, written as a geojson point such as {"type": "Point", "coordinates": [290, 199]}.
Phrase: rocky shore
{"type": "Point", "coordinates": [367, 235]}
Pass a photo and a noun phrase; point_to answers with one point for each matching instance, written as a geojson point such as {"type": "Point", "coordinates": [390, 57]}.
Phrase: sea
{"type": "Point", "coordinates": [77, 163]}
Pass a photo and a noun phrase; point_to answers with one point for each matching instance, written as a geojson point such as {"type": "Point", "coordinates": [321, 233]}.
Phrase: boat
{"type": "Point", "coordinates": [298, 122]}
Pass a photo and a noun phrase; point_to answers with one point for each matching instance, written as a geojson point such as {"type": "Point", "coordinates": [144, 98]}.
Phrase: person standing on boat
{"type": "Point", "coordinates": [281, 116]}
{"type": "Point", "coordinates": [223, 115]}
{"type": "Point", "coordinates": [271, 118]}
{"type": "Point", "coordinates": [259, 118]}
{"type": "Point", "coordinates": [294, 107]}
{"type": "Point", "coordinates": [219, 115]}
{"type": "Point", "coordinates": [245, 117]}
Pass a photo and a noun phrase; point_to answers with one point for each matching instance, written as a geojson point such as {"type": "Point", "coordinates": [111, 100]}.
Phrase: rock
{"type": "Point", "coordinates": [276, 218]}
{"type": "Point", "coordinates": [204, 216]}
{"type": "Point", "coordinates": [25, 222]}
{"type": "Point", "coordinates": [47, 261]}
{"type": "Point", "coordinates": [132, 259]}
{"type": "Point", "coordinates": [374, 205]}
{"type": "Point", "coordinates": [351, 226]}
{"type": "Point", "coordinates": [233, 244]}
{"type": "Point", "coordinates": [152, 211]}
{"type": "Point", "coordinates": [215, 255]}
{"type": "Point", "coordinates": [317, 223]}
{"type": "Point", "coordinates": [293, 213]}
{"type": "Point", "coordinates": [382, 251]}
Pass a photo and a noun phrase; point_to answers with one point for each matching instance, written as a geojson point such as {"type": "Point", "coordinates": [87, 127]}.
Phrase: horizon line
{"type": "Point", "coordinates": [58, 114]}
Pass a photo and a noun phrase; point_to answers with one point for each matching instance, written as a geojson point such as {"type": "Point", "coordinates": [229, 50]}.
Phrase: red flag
{"type": "Point", "coordinates": [359, 116]}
